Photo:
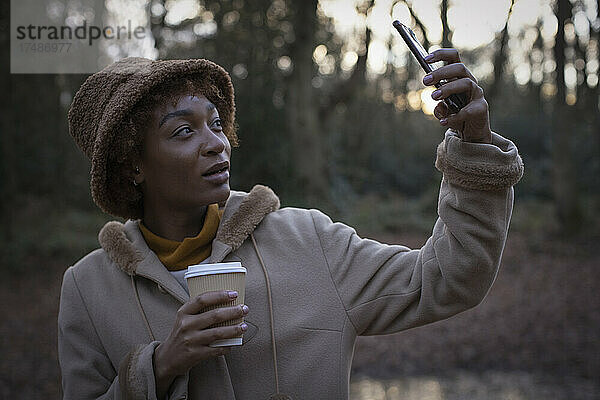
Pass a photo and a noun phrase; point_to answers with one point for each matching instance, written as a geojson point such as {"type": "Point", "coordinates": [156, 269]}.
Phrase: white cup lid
{"type": "Point", "coordinates": [216, 268]}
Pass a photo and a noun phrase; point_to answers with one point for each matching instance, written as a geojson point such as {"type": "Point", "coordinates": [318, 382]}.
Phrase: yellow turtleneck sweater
{"type": "Point", "coordinates": [193, 250]}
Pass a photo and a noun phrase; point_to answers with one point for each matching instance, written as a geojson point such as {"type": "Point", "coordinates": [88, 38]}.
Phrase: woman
{"type": "Point", "coordinates": [159, 137]}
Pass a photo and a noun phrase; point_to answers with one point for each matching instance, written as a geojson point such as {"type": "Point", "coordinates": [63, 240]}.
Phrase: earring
{"type": "Point", "coordinates": [137, 172]}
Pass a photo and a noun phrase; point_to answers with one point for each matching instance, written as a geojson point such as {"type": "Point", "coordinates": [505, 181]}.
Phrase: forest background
{"type": "Point", "coordinates": [332, 114]}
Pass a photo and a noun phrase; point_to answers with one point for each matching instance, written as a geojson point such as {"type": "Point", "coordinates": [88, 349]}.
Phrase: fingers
{"type": "Point", "coordinates": [455, 79]}
{"type": "Point", "coordinates": [448, 73]}
{"type": "Point", "coordinates": [462, 85]}
{"type": "Point", "coordinates": [441, 110]}
{"type": "Point", "coordinates": [197, 304]}
{"type": "Point", "coordinates": [216, 316]}
{"type": "Point", "coordinates": [472, 121]}
{"type": "Point", "coordinates": [208, 336]}
{"type": "Point", "coordinates": [452, 79]}
{"type": "Point", "coordinates": [196, 329]}
{"type": "Point", "coordinates": [204, 337]}
{"type": "Point", "coordinates": [447, 55]}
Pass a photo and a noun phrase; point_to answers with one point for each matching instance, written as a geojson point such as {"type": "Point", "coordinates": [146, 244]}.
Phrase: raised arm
{"type": "Point", "coordinates": [389, 288]}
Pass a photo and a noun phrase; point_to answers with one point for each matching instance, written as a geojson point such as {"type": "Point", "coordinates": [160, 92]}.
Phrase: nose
{"type": "Point", "coordinates": [212, 143]}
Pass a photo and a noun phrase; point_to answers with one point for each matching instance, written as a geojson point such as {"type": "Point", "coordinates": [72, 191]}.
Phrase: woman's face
{"type": "Point", "coordinates": [185, 156]}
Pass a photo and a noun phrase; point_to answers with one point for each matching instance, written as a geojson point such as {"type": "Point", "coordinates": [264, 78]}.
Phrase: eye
{"type": "Point", "coordinates": [183, 131]}
{"type": "Point", "coordinates": [217, 124]}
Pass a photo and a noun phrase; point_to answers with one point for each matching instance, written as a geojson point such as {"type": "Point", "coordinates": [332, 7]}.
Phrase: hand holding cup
{"type": "Point", "coordinates": [192, 333]}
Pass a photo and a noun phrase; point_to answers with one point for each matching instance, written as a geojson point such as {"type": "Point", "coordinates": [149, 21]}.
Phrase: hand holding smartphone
{"type": "Point", "coordinates": [455, 102]}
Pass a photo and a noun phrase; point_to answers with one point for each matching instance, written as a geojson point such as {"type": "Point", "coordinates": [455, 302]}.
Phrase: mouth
{"type": "Point", "coordinates": [216, 169]}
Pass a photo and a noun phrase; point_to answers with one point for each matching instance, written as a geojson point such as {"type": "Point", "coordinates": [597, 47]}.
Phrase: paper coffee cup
{"type": "Point", "coordinates": [202, 278]}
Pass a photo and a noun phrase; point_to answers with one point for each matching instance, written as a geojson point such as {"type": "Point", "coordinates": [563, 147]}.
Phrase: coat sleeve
{"type": "Point", "coordinates": [389, 288]}
{"type": "Point", "coordinates": [87, 372]}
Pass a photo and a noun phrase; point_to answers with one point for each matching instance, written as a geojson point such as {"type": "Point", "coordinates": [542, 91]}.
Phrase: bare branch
{"type": "Point", "coordinates": [500, 57]}
{"type": "Point", "coordinates": [446, 41]}
{"type": "Point", "coordinates": [418, 22]}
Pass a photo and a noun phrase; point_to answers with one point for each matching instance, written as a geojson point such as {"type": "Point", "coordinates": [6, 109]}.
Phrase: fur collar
{"type": "Point", "coordinates": [243, 213]}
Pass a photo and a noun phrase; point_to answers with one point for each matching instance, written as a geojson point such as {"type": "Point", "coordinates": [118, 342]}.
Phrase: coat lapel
{"type": "Point", "coordinates": [219, 251]}
{"type": "Point", "coordinates": [150, 266]}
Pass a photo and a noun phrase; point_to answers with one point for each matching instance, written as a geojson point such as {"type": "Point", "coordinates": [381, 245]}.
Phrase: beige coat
{"type": "Point", "coordinates": [327, 286]}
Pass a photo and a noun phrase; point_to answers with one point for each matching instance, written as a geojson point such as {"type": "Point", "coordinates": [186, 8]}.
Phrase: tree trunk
{"type": "Point", "coordinates": [419, 23]}
{"type": "Point", "coordinates": [596, 91]}
{"type": "Point", "coordinates": [564, 182]}
{"type": "Point", "coordinates": [595, 33]}
{"type": "Point", "coordinates": [346, 90]}
{"type": "Point", "coordinates": [302, 111]}
{"type": "Point", "coordinates": [157, 24]}
{"type": "Point", "coordinates": [8, 164]}
{"type": "Point", "coordinates": [500, 57]}
{"type": "Point", "coordinates": [446, 33]}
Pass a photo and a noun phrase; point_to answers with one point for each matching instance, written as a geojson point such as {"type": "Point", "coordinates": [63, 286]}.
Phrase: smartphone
{"type": "Point", "coordinates": [455, 101]}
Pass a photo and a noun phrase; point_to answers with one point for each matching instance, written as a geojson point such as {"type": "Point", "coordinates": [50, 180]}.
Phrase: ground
{"type": "Point", "coordinates": [535, 336]}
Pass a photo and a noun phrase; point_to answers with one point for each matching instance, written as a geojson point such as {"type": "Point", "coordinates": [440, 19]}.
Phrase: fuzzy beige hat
{"type": "Point", "coordinates": [107, 97]}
